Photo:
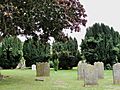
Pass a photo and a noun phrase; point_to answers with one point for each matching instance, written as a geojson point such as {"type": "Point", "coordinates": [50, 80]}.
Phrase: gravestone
{"type": "Point", "coordinates": [116, 73]}
{"type": "Point", "coordinates": [33, 67]}
{"type": "Point", "coordinates": [90, 77]}
{"type": "Point", "coordinates": [21, 64]}
{"type": "Point", "coordinates": [42, 69]}
{"type": "Point", "coordinates": [80, 69]}
{"type": "Point", "coordinates": [99, 67]}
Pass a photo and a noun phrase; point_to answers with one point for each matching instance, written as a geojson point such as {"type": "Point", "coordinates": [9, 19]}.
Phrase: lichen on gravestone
{"type": "Point", "coordinates": [42, 69]}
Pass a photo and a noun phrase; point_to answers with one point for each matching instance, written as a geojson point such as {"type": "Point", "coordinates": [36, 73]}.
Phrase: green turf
{"type": "Point", "coordinates": [61, 80]}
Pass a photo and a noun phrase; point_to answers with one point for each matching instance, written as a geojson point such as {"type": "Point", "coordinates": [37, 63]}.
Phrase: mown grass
{"type": "Point", "coordinates": [61, 80]}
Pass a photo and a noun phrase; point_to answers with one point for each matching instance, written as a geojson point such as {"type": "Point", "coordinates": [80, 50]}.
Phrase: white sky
{"type": "Point", "coordinates": [99, 11]}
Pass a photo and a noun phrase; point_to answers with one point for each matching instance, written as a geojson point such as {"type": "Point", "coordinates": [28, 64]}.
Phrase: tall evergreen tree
{"type": "Point", "coordinates": [99, 44]}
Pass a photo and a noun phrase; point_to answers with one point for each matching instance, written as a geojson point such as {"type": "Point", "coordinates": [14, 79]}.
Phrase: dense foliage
{"type": "Point", "coordinates": [67, 53]}
{"type": "Point", "coordinates": [101, 43]}
{"type": "Point", "coordinates": [35, 51]}
{"type": "Point", "coordinates": [10, 52]}
{"type": "Point", "coordinates": [48, 17]}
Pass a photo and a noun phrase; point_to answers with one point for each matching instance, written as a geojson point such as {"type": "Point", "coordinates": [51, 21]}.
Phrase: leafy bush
{"type": "Point", "coordinates": [67, 61]}
{"type": "Point", "coordinates": [67, 53]}
{"type": "Point", "coordinates": [10, 52]}
{"type": "Point", "coordinates": [35, 51]}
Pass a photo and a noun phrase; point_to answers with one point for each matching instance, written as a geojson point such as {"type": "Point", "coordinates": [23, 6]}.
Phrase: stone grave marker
{"type": "Point", "coordinates": [33, 67]}
{"type": "Point", "coordinates": [42, 69]}
{"type": "Point", "coordinates": [90, 76]}
{"type": "Point", "coordinates": [99, 67]}
{"type": "Point", "coordinates": [116, 73]}
{"type": "Point", "coordinates": [80, 69]}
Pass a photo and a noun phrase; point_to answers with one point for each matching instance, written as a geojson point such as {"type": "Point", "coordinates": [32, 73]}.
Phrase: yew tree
{"type": "Point", "coordinates": [48, 17]}
{"type": "Point", "coordinates": [101, 43]}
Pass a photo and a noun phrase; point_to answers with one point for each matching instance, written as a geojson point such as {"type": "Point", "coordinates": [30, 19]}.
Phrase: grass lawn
{"type": "Point", "coordinates": [61, 80]}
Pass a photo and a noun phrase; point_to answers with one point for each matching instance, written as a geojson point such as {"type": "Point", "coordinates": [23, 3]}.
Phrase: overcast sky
{"type": "Point", "coordinates": [100, 11]}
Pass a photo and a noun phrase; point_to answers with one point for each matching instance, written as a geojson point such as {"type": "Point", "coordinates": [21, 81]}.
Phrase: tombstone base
{"type": "Point", "coordinates": [116, 82]}
{"type": "Point", "coordinates": [39, 78]}
{"type": "Point", "coordinates": [90, 85]}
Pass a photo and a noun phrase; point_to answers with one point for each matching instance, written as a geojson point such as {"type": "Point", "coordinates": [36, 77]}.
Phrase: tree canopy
{"type": "Point", "coordinates": [48, 17]}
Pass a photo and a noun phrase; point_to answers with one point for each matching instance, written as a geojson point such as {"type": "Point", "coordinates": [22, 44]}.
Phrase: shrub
{"type": "Point", "coordinates": [67, 53]}
{"type": "Point", "coordinates": [10, 52]}
{"type": "Point", "coordinates": [35, 51]}
{"type": "Point", "coordinates": [67, 61]}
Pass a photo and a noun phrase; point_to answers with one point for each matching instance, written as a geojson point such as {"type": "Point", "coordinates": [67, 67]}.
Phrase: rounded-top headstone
{"type": "Point", "coordinates": [33, 67]}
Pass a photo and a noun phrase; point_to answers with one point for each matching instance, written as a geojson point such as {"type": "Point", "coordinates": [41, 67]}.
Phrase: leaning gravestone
{"type": "Point", "coordinates": [42, 69]}
{"type": "Point", "coordinates": [33, 67]}
{"type": "Point", "coordinates": [99, 67]}
{"type": "Point", "coordinates": [116, 73]}
{"type": "Point", "coordinates": [21, 64]}
{"type": "Point", "coordinates": [80, 69]}
{"type": "Point", "coordinates": [90, 77]}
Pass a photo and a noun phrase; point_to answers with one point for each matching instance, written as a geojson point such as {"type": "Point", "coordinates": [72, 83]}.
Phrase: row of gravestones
{"type": "Point", "coordinates": [91, 73]}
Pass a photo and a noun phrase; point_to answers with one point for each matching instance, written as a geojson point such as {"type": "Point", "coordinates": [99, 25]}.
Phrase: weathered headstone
{"type": "Point", "coordinates": [21, 64]}
{"type": "Point", "coordinates": [42, 69]}
{"type": "Point", "coordinates": [90, 77]}
{"type": "Point", "coordinates": [80, 69]}
{"type": "Point", "coordinates": [99, 67]}
{"type": "Point", "coordinates": [116, 73]}
{"type": "Point", "coordinates": [33, 67]}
